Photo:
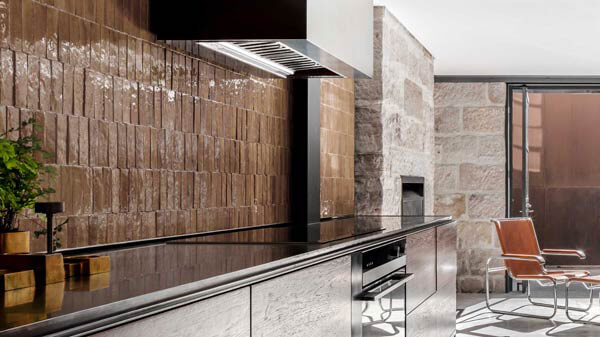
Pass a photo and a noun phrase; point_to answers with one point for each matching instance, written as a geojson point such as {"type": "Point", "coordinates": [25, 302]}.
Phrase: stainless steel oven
{"type": "Point", "coordinates": [379, 291]}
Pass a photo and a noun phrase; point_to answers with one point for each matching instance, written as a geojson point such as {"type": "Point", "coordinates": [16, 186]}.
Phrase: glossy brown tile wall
{"type": "Point", "coordinates": [148, 139]}
{"type": "Point", "coordinates": [337, 147]}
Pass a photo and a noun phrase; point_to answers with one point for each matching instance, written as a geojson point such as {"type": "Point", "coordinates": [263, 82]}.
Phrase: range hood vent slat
{"type": "Point", "coordinates": [273, 56]}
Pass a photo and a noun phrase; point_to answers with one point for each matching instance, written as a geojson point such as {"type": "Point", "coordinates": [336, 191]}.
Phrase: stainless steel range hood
{"type": "Point", "coordinates": [289, 38]}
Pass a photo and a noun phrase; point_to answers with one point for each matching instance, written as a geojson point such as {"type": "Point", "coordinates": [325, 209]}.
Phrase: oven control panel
{"type": "Point", "coordinates": [379, 256]}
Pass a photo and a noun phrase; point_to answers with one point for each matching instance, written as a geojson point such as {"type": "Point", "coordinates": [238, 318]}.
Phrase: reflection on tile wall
{"type": "Point", "coordinates": [337, 147]}
{"type": "Point", "coordinates": [148, 139]}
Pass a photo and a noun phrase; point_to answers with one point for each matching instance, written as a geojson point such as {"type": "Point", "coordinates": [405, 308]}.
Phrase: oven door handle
{"type": "Point", "coordinates": [384, 287]}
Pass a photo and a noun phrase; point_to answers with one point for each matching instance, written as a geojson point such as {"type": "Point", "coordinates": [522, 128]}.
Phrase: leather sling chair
{"type": "Point", "coordinates": [523, 261]}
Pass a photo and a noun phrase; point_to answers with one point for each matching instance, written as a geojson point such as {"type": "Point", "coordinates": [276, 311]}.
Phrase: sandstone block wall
{"type": "Point", "coordinates": [394, 120]}
{"type": "Point", "coordinates": [470, 172]}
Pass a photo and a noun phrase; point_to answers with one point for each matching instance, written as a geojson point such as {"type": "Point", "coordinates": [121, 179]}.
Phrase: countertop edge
{"type": "Point", "coordinates": [114, 314]}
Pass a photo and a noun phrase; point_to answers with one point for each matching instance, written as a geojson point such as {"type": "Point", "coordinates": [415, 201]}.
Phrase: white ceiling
{"type": "Point", "coordinates": [506, 37]}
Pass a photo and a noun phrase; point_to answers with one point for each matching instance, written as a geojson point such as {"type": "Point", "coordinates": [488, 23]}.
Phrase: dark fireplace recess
{"type": "Point", "coordinates": [413, 196]}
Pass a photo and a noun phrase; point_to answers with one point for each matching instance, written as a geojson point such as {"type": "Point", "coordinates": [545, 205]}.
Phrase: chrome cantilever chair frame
{"type": "Point", "coordinates": [489, 270]}
{"type": "Point", "coordinates": [587, 286]}
{"type": "Point", "coordinates": [549, 283]}
{"type": "Point", "coordinates": [529, 297]}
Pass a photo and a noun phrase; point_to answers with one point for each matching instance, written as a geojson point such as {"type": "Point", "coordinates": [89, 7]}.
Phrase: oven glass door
{"type": "Point", "coordinates": [384, 312]}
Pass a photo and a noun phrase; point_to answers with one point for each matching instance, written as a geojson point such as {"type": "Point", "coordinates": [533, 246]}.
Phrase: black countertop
{"type": "Point", "coordinates": [150, 279]}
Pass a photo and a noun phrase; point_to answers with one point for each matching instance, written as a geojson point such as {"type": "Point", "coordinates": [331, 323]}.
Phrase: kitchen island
{"type": "Point", "coordinates": [261, 281]}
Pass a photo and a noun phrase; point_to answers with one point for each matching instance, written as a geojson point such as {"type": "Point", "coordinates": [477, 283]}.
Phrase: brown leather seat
{"type": "Point", "coordinates": [518, 238]}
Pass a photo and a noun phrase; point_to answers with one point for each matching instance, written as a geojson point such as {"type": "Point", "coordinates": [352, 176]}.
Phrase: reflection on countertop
{"type": "Point", "coordinates": [148, 270]}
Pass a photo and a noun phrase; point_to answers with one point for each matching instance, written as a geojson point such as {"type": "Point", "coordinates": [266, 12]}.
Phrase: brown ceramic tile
{"type": "Point", "coordinates": [27, 7]}
{"type": "Point", "coordinates": [133, 103]}
{"type": "Point", "coordinates": [155, 190]}
{"type": "Point", "coordinates": [15, 25]}
{"type": "Point", "coordinates": [178, 112]}
{"type": "Point", "coordinates": [144, 191]}
{"type": "Point", "coordinates": [73, 140]}
{"type": "Point", "coordinates": [64, 37]}
{"type": "Point", "coordinates": [103, 142]}
{"type": "Point", "coordinates": [45, 84]}
{"type": "Point", "coordinates": [121, 145]}
{"type": "Point", "coordinates": [113, 146]}
{"type": "Point", "coordinates": [130, 146]}
{"type": "Point", "coordinates": [84, 141]}
{"type": "Point", "coordinates": [126, 101]}
{"type": "Point", "coordinates": [56, 87]}
{"type": "Point", "coordinates": [61, 139]}
{"type": "Point", "coordinates": [108, 96]}
{"type": "Point", "coordinates": [187, 113]}
{"type": "Point", "coordinates": [78, 231]}
{"type": "Point", "coordinates": [4, 23]}
{"type": "Point", "coordinates": [21, 76]}
{"type": "Point", "coordinates": [85, 39]}
{"type": "Point", "coordinates": [113, 51]}
{"type": "Point", "coordinates": [124, 190]}
{"type": "Point", "coordinates": [6, 76]}
{"type": "Point", "coordinates": [133, 190]}
{"type": "Point", "coordinates": [98, 92]}
{"type": "Point", "coordinates": [33, 82]}
{"type": "Point", "coordinates": [139, 74]}
{"type": "Point", "coordinates": [78, 92]}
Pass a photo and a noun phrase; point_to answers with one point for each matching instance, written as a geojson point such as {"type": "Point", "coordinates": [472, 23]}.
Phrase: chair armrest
{"type": "Point", "coordinates": [564, 252]}
{"type": "Point", "coordinates": [523, 257]}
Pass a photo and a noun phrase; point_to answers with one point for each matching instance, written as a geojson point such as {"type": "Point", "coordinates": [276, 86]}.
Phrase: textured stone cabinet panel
{"type": "Point", "coordinates": [421, 261]}
{"type": "Point", "coordinates": [445, 302]}
{"type": "Point", "coordinates": [308, 303]}
{"type": "Point", "coordinates": [226, 315]}
{"type": "Point", "coordinates": [422, 322]}
{"type": "Point", "coordinates": [446, 255]}
{"type": "Point", "coordinates": [436, 317]}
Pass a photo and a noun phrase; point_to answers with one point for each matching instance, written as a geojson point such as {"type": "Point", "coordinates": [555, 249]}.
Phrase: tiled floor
{"type": "Point", "coordinates": [473, 318]}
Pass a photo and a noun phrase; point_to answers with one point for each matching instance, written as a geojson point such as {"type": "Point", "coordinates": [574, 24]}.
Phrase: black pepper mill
{"type": "Point", "coordinates": [49, 208]}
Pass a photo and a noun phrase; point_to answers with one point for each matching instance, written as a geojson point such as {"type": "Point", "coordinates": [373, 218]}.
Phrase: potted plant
{"type": "Point", "coordinates": [20, 184]}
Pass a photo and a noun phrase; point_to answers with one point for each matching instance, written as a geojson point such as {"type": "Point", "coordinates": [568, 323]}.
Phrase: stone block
{"type": "Point", "coordinates": [481, 177]}
{"type": "Point", "coordinates": [368, 164]}
{"type": "Point", "coordinates": [448, 120]}
{"type": "Point", "coordinates": [485, 206]}
{"type": "Point", "coordinates": [484, 119]}
{"type": "Point", "coordinates": [367, 111]}
{"type": "Point", "coordinates": [470, 284]}
{"type": "Point", "coordinates": [456, 94]}
{"type": "Point", "coordinates": [413, 99]}
{"type": "Point", "coordinates": [475, 234]}
{"type": "Point", "coordinates": [445, 178]}
{"type": "Point", "coordinates": [411, 134]}
{"type": "Point", "coordinates": [478, 260]}
{"type": "Point", "coordinates": [492, 148]}
{"type": "Point", "coordinates": [497, 283]}
{"type": "Point", "coordinates": [462, 261]}
{"type": "Point", "coordinates": [456, 149]}
{"type": "Point", "coordinates": [450, 204]}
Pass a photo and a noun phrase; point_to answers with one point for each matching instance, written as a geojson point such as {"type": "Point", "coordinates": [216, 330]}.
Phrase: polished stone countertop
{"type": "Point", "coordinates": [149, 279]}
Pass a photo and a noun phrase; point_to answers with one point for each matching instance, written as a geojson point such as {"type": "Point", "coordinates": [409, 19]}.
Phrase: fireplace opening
{"type": "Point", "coordinates": [413, 196]}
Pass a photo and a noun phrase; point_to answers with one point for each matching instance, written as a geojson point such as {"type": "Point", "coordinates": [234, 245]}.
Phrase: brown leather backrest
{"type": "Point", "coordinates": [517, 236]}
